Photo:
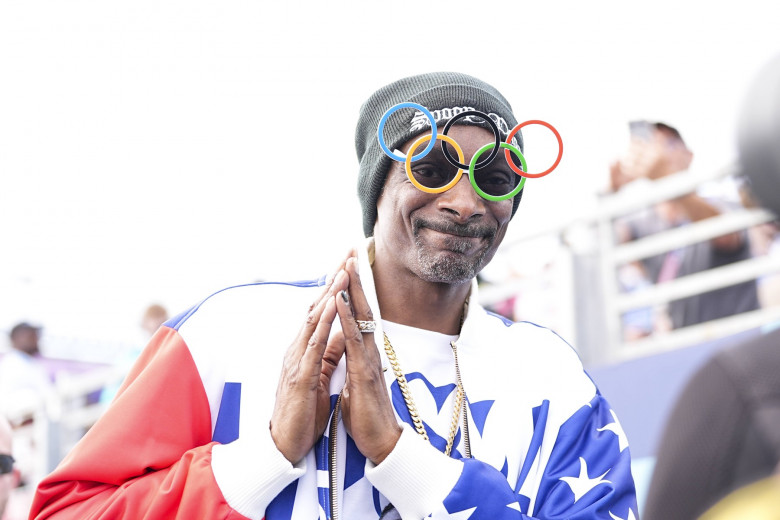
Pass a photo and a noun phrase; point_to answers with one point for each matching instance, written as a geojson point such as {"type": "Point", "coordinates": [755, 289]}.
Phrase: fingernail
{"type": "Point", "coordinates": [345, 297]}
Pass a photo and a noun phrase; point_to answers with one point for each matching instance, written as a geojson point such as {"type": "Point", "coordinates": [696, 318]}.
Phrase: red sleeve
{"type": "Point", "coordinates": [149, 456]}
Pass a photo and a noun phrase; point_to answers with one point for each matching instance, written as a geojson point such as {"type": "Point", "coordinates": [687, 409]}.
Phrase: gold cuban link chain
{"type": "Point", "coordinates": [407, 394]}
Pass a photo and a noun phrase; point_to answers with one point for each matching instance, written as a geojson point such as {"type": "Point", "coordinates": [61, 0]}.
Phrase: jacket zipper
{"type": "Point", "coordinates": [466, 442]}
{"type": "Point", "coordinates": [334, 425]}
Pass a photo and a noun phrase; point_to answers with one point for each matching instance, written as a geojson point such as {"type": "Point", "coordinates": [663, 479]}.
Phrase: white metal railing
{"type": "Point", "coordinates": [698, 283]}
{"type": "Point", "coordinates": [692, 233]}
{"type": "Point", "coordinates": [696, 334]}
{"type": "Point", "coordinates": [49, 426]}
{"type": "Point", "coordinates": [598, 316]}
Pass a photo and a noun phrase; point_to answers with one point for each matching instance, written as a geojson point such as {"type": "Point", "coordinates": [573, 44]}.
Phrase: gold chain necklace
{"type": "Point", "coordinates": [415, 415]}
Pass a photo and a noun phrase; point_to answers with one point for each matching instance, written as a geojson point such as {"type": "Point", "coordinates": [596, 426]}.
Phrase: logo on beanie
{"type": "Point", "coordinates": [420, 121]}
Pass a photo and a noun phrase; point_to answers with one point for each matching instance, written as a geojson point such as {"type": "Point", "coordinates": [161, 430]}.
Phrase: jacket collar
{"type": "Point", "coordinates": [366, 260]}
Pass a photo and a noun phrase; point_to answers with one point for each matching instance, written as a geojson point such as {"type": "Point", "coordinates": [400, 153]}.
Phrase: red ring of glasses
{"type": "Point", "coordinates": [509, 141]}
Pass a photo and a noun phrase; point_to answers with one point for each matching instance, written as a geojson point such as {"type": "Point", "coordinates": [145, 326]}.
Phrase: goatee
{"type": "Point", "coordinates": [450, 266]}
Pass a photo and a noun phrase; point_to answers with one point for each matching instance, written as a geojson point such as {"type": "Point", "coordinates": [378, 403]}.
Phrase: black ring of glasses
{"type": "Point", "coordinates": [493, 152]}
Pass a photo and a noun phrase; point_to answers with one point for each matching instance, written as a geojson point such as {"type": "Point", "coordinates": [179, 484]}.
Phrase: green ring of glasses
{"type": "Point", "coordinates": [473, 163]}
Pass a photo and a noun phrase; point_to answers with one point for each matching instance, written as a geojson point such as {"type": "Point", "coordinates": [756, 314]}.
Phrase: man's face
{"type": "Point", "coordinates": [446, 237]}
{"type": "Point", "coordinates": [25, 340]}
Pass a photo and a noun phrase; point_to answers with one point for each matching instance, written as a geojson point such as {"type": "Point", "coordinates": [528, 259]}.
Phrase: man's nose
{"type": "Point", "coordinates": [462, 201]}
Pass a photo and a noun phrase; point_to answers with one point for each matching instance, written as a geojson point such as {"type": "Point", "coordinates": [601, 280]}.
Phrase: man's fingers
{"type": "Point", "coordinates": [356, 294]}
{"type": "Point", "coordinates": [318, 340]}
{"type": "Point", "coordinates": [360, 348]}
{"type": "Point", "coordinates": [350, 254]}
{"type": "Point", "coordinates": [315, 312]}
{"type": "Point", "coordinates": [329, 282]}
{"type": "Point", "coordinates": [334, 351]}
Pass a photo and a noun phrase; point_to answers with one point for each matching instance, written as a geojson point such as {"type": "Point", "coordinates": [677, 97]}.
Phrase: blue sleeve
{"type": "Point", "coordinates": [587, 475]}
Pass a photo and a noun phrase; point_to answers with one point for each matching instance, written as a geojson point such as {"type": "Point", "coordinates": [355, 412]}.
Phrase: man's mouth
{"type": "Point", "coordinates": [455, 229]}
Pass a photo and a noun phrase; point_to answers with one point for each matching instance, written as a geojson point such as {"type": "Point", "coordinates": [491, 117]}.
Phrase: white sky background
{"type": "Point", "coordinates": [158, 151]}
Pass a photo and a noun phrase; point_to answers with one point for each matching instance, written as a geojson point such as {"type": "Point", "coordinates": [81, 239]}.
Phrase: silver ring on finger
{"type": "Point", "coordinates": [366, 327]}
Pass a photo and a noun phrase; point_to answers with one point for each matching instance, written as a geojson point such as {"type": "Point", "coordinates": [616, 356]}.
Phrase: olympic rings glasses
{"type": "Point", "coordinates": [493, 184]}
{"type": "Point", "coordinates": [6, 464]}
{"type": "Point", "coordinates": [490, 183]}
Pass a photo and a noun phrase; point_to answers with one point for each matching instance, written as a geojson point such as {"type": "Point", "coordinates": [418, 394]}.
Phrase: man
{"type": "Point", "coordinates": [9, 475]}
{"type": "Point", "coordinates": [657, 150]}
{"type": "Point", "coordinates": [23, 378]}
{"type": "Point", "coordinates": [25, 337]}
{"type": "Point", "coordinates": [444, 410]}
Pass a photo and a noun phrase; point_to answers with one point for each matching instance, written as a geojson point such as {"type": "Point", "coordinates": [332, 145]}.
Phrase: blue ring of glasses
{"type": "Point", "coordinates": [381, 128]}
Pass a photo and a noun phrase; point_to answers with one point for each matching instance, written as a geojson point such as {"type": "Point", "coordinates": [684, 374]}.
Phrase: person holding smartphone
{"type": "Point", "coordinates": [657, 150]}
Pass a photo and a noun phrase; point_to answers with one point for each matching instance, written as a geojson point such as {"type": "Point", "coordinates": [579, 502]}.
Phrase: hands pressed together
{"type": "Point", "coordinates": [302, 404]}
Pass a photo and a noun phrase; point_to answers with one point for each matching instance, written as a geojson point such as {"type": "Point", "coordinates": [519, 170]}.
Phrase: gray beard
{"type": "Point", "coordinates": [448, 266]}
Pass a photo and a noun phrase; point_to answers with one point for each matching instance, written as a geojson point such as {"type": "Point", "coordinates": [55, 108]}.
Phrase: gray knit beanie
{"type": "Point", "coordinates": [444, 94]}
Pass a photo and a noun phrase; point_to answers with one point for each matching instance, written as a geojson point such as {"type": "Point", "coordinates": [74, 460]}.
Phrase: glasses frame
{"type": "Point", "coordinates": [408, 158]}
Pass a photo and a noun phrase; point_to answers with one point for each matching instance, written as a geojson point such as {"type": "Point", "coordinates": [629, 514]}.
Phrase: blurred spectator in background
{"type": "Point", "coordinates": [724, 431]}
{"type": "Point", "coordinates": [657, 150]}
{"type": "Point", "coordinates": [23, 378]}
{"type": "Point", "coordinates": [154, 316]}
{"type": "Point", "coordinates": [9, 475]}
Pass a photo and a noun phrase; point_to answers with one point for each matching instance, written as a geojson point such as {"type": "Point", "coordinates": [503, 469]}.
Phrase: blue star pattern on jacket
{"type": "Point", "coordinates": [584, 476]}
{"type": "Point", "coordinates": [589, 469]}
{"type": "Point", "coordinates": [439, 395]}
{"type": "Point", "coordinates": [587, 475]}
{"type": "Point", "coordinates": [629, 516]}
{"type": "Point", "coordinates": [479, 412]}
{"type": "Point", "coordinates": [483, 493]}
{"type": "Point", "coordinates": [615, 428]}
{"type": "Point", "coordinates": [582, 483]}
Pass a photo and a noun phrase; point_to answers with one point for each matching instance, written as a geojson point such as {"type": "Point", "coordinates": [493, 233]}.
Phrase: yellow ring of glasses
{"type": "Point", "coordinates": [408, 163]}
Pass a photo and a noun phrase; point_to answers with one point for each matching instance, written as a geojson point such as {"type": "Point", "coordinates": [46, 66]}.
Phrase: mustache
{"type": "Point", "coordinates": [454, 228]}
